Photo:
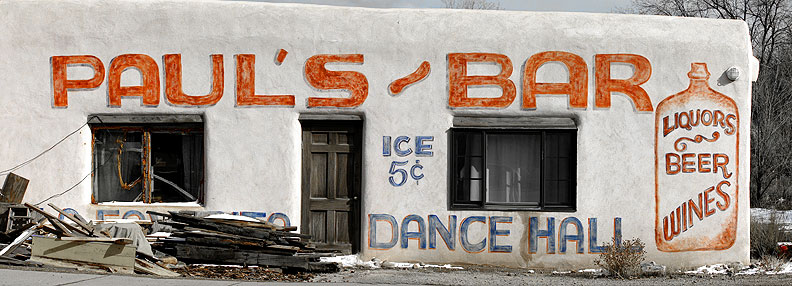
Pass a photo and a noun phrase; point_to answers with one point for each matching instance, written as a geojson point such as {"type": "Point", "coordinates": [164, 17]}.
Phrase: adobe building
{"type": "Point", "coordinates": [450, 136]}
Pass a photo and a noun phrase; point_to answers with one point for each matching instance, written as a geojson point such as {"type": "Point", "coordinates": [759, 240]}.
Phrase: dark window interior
{"type": "Point", "coordinates": [148, 163]}
{"type": "Point", "coordinates": [513, 169]}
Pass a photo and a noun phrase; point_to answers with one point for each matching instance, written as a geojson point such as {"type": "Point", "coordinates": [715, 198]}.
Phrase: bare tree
{"type": "Point", "coordinates": [771, 132]}
{"type": "Point", "coordinates": [472, 4]}
{"type": "Point", "coordinates": [768, 20]}
{"type": "Point", "coordinates": [770, 26]}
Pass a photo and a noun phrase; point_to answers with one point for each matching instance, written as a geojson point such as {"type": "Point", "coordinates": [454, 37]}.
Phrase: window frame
{"type": "Point", "coordinates": [147, 128]}
{"type": "Point", "coordinates": [454, 179]}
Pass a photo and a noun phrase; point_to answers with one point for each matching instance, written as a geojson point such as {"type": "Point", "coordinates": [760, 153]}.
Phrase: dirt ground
{"type": "Point", "coordinates": [502, 276]}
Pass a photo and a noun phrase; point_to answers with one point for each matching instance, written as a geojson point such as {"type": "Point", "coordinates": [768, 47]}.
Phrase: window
{"type": "Point", "coordinates": [513, 169]}
{"type": "Point", "coordinates": [148, 162]}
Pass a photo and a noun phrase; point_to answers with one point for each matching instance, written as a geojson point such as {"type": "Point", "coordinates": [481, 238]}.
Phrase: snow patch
{"type": "Point", "coordinates": [710, 269]}
{"type": "Point", "coordinates": [785, 268]}
{"type": "Point", "coordinates": [232, 217]}
{"type": "Point", "coordinates": [159, 234]}
{"type": "Point", "coordinates": [353, 261]}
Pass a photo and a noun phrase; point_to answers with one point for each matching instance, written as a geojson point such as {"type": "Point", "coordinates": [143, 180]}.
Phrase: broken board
{"type": "Point", "coordinates": [13, 189]}
{"type": "Point", "coordinates": [82, 266]}
{"type": "Point", "coordinates": [103, 253]}
{"type": "Point", "coordinates": [217, 255]}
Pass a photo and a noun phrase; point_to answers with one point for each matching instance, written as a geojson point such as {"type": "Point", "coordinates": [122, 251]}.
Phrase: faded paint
{"type": "Point", "coordinates": [701, 163]}
{"type": "Point", "coordinates": [419, 74]}
{"type": "Point", "coordinates": [610, 70]}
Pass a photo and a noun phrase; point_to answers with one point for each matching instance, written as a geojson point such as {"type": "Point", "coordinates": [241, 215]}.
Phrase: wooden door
{"type": "Point", "coordinates": [331, 168]}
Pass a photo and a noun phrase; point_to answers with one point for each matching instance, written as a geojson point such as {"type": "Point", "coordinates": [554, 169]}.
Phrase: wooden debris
{"type": "Point", "coordinates": [13, 189]}
{"type": "Point", "coordinates": [258, 223]}
{"type": "Point", "coordinates": [108, 254]}
{"type": "Point", "coordinates": [146, 267]}
{"type": "Point", "coordinates": [13, 217]}
{"type": "Point", "coordinates": [82, 266]}
{"type": "Point", "coordinates": [82, 224]}
{"type": "Point", "coordinates": [116, 240]}
{"type": "Point", "coordinates": [225, 241]}
{"type": "Point", "coordinates": [65, 227]}
{"type": "Point", "coordinates": [12, 261]}
{"type": "Point", "coordinates": [210, 254]}
{"type": "Point", "coordinates": [18, 241]}
{"type": "Point", "coordinates": [81, 246]}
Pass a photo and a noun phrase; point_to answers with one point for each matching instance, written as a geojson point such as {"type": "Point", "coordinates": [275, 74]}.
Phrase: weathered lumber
{"type": "Point", "coordinates": [210, 254]}
{"type": "Point", "coordinates": [278, 231]}
{"type": "Point", "coordinates": [197, 232]}
{"type": "Point", "coordinates": [57, 222]}
{"type": "Point", "coordinates": [109, 254]}
{"type": "Point", "coordinates": [230, 226]}
{"type": "Point", "coordinates": [221, 227]}
{"type": "Point", "coordinates": [12, 261]}
{"type": "Point", "coordinates": [18, 231]}
{"type": "Point", "coordinates": [54, 231]}
{"type": "Point", "coordinates": [18, 241]}
{"type": "Point", "coordinates": [82, 219]}
{"type": "Point", "coordinates": [116, 240]}
{"type": "Point", "coordinates": [192, 232]}
{"type": "Point", "coordinates": [89, 229]}
{"type": "Point", "coordinates": [13, 189]}
{"type": "Point", "coordinates": [82, 266]}
{"type": "Point", "coordinates": [241, 245]}
{"type": "Point", "coordinates": [177, 225]}
{"type": "Point", "coordinates": [60, 227]}
{"type": "Point", "coordinates": [243, 223]}
{"type": "Point", "coordinates": [258, 223]}
{"type": "Point", "coordinates": [143, 266]}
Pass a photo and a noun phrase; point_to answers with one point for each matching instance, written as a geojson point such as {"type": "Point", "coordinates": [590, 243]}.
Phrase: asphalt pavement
{"type": "Point", "coordinates": [471, 276]}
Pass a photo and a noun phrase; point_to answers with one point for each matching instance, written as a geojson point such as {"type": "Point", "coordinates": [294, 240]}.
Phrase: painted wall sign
{"type": "Point", "coordinates": [252, 73]}
{"type": "Point", "coordinates": [105, 214]}
{"type": "Point", "coordinates": [697, 158]}
{"type": "Point", "coordinates": [399, 170]}
{"type": "Point", "coordinates": [356, 83]}
{"type": "Point", "coordinates": [557, 234]}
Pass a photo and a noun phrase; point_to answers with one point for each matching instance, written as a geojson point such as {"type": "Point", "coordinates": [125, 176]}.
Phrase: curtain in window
{"type": "Point", "coordinates": [513, 168]}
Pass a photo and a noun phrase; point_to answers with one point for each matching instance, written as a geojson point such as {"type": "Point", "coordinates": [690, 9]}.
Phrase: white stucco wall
{"type": "Point", "coordinates": [253, 154]}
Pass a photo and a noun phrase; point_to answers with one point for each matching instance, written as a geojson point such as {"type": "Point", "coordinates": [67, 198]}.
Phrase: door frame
{"type": "Point", "coordinates": [313, 123]}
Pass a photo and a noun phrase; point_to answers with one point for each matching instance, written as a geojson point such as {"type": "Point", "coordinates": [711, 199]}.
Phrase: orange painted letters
{"type": "Point", "coordinates": [321, 78]}
{"type": "Point", "coordinates": [173, 82]}
{"type": "Point", "coordinates": [458, 80]}
{"type": "Point", "coordinates": [576, 88]}
{"type": "Point", "coordinates": [61, 82]}
{"type": "Point", "coordinates": [630, 87]}
{"type": "Point", "coordinates": [149, 73]}
{"type": "Point", "coordinates": [281, 56]}
{"type": "Point", "coordinates": [398, 85]}
{"type": "Point", "coordinates": [246, 85]}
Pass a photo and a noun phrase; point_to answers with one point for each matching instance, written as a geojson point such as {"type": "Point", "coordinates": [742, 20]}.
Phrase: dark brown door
{"type": "Point", "coordinates": [331, 168]}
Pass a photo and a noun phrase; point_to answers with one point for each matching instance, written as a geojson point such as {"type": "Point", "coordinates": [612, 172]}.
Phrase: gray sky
{"type": "Point", "coordinates": [600, 6]}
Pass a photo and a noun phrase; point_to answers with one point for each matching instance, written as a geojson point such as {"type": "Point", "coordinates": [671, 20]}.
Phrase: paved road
{"type": "Point", "coordinates": [21, 276]}
{"type": "Point", "coordinates": [36, 277]}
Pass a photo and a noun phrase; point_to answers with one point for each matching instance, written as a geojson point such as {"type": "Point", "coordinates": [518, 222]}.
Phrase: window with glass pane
{"type": "Point", "coordinates": [513, 169]}
{"type": "Point", "coordinates": [148, 163]}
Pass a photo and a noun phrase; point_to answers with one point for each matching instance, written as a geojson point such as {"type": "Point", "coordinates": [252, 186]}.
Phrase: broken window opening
{"type": "Point", "coordinates": [149, 163]}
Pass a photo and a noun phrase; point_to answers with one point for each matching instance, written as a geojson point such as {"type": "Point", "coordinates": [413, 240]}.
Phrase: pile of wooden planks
{"type": "Point", "coordinates": [222, 241]}
{"type": "Point", "coordinates": [80, 245]}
